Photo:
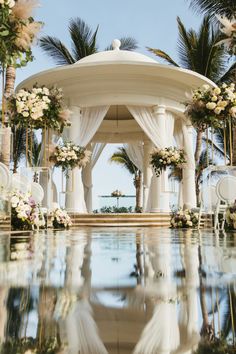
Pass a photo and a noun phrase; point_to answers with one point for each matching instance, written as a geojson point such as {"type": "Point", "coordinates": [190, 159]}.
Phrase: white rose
{"type": "Point", "coordinates": [14, 201]}
{"type": "Point", "coordinates": [217, 91]}
{"type": "Point", "coordinates": [25, 114]}
{"type": "Point", "coordinates": [222, 104]}
{"type": "Point", "coordinates": [205, 87]}
{"type": "Point", "coordinates": [11, 3]}
{"type": "Point", "coordinates": [189, 223]}
{"type": "Point", "coordinates": [214, 98]}
{"type": "Point", "coordinates": [211, 105]}
{"type": "Point", "coordinates": [218, 110]}
{"type": "Point", "coordinates": [232, 111]}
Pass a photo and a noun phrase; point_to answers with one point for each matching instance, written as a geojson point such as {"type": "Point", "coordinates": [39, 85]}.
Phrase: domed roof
{"type": "Point", "coordinates": [116, 55]}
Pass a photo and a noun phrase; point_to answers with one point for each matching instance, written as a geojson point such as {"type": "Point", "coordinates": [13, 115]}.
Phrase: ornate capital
{"type": "Point", "coordinates": [159, 109]}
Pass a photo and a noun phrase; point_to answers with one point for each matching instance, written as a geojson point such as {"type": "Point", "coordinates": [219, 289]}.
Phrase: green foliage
{"type": "Point", "coordinates": [83, 43]}
{"type": "Point", "coordinates": [197, 51]}
{"type": "Point", "coordinates": [109, 210]}
{"type": "Point", "coordinates": [212, 7]}
{"type": "Point", "coordinates": [218, 346]}
{"type": "Point", "coordinates": [20, 346]}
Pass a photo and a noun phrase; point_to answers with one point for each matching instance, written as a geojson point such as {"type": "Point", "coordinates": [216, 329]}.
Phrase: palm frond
{"type": "Point", "coordinates": [229, 75]}
{"type": "Point", "coordinates": [127, 43]}
{"type": "Point", "coordinates": [53, 47]}
{"type": "Point", "coordinates": [19, 145]}
{"type": "Point", "coordinates": [83, 38]}
{"type": "Point", "coordinates": [161, 54]}
{"type": "Point", "coordinates": [212, 7]}
{"type": "Point", "coordinates": [121, 157]}
{"type": "Point", "coordinates": [186, 46]}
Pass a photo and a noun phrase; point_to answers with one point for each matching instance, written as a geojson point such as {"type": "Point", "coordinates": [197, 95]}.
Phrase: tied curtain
{"type": "Point", "coordinates": [96, 149]}
{"type": "Point", "coordinates": [85, 123]}
{"type": "Point", "coordinates": [135, 153]}
{"type": "Point", "coordinates": [160, 130]}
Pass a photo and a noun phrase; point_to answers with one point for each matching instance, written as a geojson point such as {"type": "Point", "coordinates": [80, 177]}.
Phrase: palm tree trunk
{"type": "Point", "coordinates": [234, 145]}
{"type": "Point", "coordinates": [198, 145]}
{"type": "Point", "coordinates": [6, 139]}
{"type": "Point", "coordinates": [138, 186]}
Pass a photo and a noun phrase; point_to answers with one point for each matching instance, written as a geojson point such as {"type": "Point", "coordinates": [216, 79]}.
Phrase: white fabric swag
{"type": "Point", "coordinates": [85, 123]}
{"type": "Point", "coordinates": [135, 153]}
{"type": "Point", "coordinates": [96, 149]}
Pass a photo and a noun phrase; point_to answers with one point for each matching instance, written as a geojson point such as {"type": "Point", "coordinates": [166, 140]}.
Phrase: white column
{"type": "Point", "coordinates": [160, 199]}
{"type": "Point", "coordinates": [74, 186]}
{"type": "Point", "coordinates": [88, 185]}
{"type": "Point", "coordinates": [189, 188]}
{"type": "Point", "coordinates": [147, 173]}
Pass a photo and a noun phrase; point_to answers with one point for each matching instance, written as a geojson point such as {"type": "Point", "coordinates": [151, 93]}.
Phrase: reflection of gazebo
{"type": "Point", "coordinates": [125, 97]}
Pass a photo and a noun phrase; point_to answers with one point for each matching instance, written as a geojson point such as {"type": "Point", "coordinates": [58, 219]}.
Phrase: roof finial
{"type": "Point", "coordinates": [116, 43]}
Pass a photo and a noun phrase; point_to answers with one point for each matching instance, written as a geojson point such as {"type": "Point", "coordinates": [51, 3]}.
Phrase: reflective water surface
{"type": "Point", "coordinates": [116, 290]}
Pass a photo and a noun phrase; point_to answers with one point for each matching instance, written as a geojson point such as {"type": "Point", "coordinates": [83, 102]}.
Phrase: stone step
{"type": "Point", "coordinates": [114, 216]}
{"type": "Point", "coordinates": [114, 224]}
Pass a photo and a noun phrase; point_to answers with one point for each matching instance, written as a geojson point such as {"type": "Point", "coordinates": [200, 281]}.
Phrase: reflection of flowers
{"type": "Point", "coordinates": [211, 107]}
{"type": "Point", "coordinates": [40, 107]}
{"type": "Point", "coordinates": [60, 218]}
{"type": "Point", "coordinates": [117, 193]}
{"type": "Point", "coordinates": [26, 214]}
{"type": "Point", "coordinates": [162, 158]}
{"type": "Point", "coordinates": [184, 219]}
{"type": "Point", "coordinates": [69, 156]}
{"type": "Point", "coordinates": [230, 217]}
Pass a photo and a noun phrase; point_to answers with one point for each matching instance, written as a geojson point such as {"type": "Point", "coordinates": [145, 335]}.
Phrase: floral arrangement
{"type": "Point", "coordinates": [39, 108]}
{"type": "Point", "coordinates": [184, 219]}
{"type": "Point", "coordinates": [229, 29]}
{"type": "Point", "coordinates": [26, 214]}
{"type": "Point", "coordinates": [69, 156]}
{"type": "Point", "coordinates": [117, 193]}
{"type": "Point", "coordinates": [211, 107]}
{"type": "Point", "coordinates": [230, 217]}
{"type": "Point", "coordinates": [60, 218]}
{"type": "Point", "coordinates": [162, 158]}
{"type": "Point", "coordinates": [17, 31]}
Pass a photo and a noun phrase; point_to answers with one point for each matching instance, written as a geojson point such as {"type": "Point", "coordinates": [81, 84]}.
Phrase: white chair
{"type": "Point", "coordinates": [226, 193]}
{"type": "Point", "coordinates": [208, 201]}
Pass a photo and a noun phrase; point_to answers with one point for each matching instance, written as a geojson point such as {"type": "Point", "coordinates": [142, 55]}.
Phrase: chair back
{"type": "Point", "coordinates": [226, 189]}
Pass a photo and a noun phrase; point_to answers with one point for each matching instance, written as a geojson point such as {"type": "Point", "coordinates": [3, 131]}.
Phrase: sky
{"type": "Point", "coordinates": [151, 22]}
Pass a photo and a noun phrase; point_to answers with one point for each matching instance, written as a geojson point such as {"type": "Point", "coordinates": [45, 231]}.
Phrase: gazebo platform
{"type": "Point", "coordinates": [126, 219]}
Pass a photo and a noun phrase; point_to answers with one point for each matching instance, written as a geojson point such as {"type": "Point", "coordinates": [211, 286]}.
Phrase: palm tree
{"type": "Point", "coordinates": [84, 43]}
{"type": "Point", "coordinates": [212, 7]}
{"type": "Point", "coordinates": [197, 52]}
{"type": "Point", "coordinates": [121, 158]}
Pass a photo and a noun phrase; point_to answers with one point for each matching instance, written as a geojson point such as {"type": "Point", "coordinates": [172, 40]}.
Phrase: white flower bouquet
{"type": "Point", "coordinates": [69, 156]}
{"type": "Point", "coordinates": [117, 193]}
{"type": "Point", "coordinates": [39, 108]}
{"type": "Point", "coordinates": [228, 28]}
{"type": "Point", "coordinates": [212, 107]}
{"type": "Point", "coordinates": [60, 218]}
{"type": "Point", "coordinates": [230, 218]}
{"type": "Point", "coordinates": [26, 214]}
{"type": "Point", "coordinates": [184, 219]}
{"type": "Point", "coordinates": [162, 158]}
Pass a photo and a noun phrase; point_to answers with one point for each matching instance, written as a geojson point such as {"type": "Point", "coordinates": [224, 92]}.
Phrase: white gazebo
{"type": "Point", "coordinates": [126, 97]}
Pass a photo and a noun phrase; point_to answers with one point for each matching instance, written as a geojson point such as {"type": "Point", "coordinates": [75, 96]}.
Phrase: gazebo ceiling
{"type": "Point", "coordinates": [119, 77]}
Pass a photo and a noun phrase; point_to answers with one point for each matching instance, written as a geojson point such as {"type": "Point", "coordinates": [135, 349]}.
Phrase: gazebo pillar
{"type": "Point", "coordinates": [188, 183]}
{"type": "Point", "coordinates": [147, 174]}
{"type": "Point", "coordinates": [88, 184]}
{"type": "Point", "coordinates": [74, 186]}
{"type": "Point", "coordinates": [159, 195]}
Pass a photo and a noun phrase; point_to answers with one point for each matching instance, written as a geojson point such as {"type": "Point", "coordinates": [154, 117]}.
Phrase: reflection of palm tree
{"type": "Point", "coordinates": [198, 52]}
{"type": "Point", "coordinates": [121, 158]}
{"type": "Point", "coordinates": [84, 43]}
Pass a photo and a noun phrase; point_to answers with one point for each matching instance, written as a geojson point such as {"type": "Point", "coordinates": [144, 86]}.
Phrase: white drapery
{"type": "Point", "coordinates": [159, 127]}
{"type": "Point", "coordinates": [135, 153]}
{"type": "Point", "coordinates": [97, 149]}
{"type": "Point", "coordinates": [85, 123]}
